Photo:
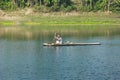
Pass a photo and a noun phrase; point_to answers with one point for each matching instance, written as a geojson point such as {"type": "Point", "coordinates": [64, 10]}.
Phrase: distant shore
{"type": "Point", "coordinates": [28, 23]}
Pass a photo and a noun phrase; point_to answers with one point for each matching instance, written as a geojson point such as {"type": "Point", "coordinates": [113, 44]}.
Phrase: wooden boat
{"type": "Point", "coordinates": [70, 44]}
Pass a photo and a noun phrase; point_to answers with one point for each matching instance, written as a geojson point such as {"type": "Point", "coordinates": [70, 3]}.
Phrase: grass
{"type": "Point", "coordinates": [65, 20]}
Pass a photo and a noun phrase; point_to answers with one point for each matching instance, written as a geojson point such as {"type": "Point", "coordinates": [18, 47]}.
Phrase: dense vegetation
{"type": "Point", "coordinates": [62, 5]}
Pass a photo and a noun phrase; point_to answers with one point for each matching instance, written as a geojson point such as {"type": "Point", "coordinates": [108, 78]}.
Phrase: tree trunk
{"type": "Point", "coordinates": [30, 2]}
{"type": "Point", "coordinates": [108, 6]}
{"type": "Point", "coordinates": [15, 2]}
{"type": "Point", "coordinates": [40, 2]}
{"type": "Point", "coordinates": [91, 4]}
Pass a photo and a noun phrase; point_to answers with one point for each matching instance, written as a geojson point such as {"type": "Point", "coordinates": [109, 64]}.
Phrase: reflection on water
{"type": "Point", "coordinates": [29, 60]}
{"type": "Point", "coordinates": [22, 34]}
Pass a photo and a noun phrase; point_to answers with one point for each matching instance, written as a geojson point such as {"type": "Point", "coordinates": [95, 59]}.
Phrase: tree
{"type": "Point", "coordinates": [85, 5]}
{"type": "Point", "coordinates": [108, 5]}
{"type": "Point", "coordinates": [65, 3]}
{"type": "Point", "coordinates": [91, 4]}
{"type": "Point", "coordinates": [115, 5]}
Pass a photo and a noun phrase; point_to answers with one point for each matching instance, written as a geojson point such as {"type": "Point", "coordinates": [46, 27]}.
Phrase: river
{"type": "Point", "coordinates": [30, 60]}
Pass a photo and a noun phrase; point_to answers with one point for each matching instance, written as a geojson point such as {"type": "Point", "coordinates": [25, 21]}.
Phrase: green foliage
{"type": "Point", "coordinates": [55, 8]}
{"type": "Point", "coordinates": [7, 5]}
{"type": "Point", "coordinates": [62, 5]}
{"type": "Point", "coordinates": [115, 6]}
{"type": "Point", "coordinates": [41, 8]}
{"type": "Point", "coordinates": [70, 8]}
{"type": "Point", "coordinates": [97, 6]}
{"type": "Point", "coordinates": [22, 3]}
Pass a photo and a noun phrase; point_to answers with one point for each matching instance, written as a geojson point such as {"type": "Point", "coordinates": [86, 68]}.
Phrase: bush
{"type": "Point", "coordinates": [7, 6]}
{"type": "Point", "coordinates": [115, 7]}
{"type": "Point", "coordinates": [41, 8]}
{"type": "Point", "coordinates": [70, 8]}
{"type": "Point", "coordinates": [55, 8]}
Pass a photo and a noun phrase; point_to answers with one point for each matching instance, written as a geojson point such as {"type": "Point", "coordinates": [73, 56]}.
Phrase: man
{"type": "Point", "coordinates": [58, 39]}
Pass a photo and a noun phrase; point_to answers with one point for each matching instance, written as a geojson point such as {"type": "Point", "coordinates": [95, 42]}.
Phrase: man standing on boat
{"type": "Point", "coordinates": [57, 39]}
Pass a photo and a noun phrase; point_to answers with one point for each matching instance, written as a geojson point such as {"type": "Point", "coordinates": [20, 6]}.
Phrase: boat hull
{"type": "Point", "coordinates": [71, 44]}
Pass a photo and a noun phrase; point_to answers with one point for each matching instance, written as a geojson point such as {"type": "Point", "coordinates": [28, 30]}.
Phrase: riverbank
{"type": "Point", "coordinates": [28, 17]}
{"type": "Point", "coordinates": [35, 24]}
